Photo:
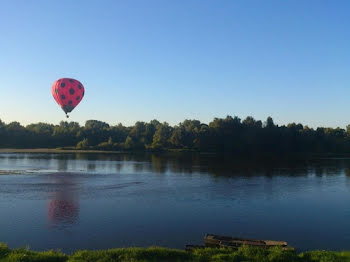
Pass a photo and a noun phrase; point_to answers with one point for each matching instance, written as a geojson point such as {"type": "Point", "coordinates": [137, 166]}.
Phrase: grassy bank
{"type": "Point", "coordinates": [165, 254]}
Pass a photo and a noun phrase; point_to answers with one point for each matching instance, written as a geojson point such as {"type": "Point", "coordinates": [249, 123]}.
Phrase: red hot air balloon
{"type": "Point", "coordinates": [68, 93]}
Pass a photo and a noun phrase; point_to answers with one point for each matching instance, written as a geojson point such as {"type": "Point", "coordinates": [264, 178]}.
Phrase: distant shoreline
{"type": "Point", "coordinates": [54, 150]}
{"type": "Point", "coordinates": [170, 151]}
{"type": "Point", "coordinates": [95, 151]}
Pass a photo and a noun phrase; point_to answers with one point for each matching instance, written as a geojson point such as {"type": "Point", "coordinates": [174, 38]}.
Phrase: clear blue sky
{"type": "Point", "coordinates": [176, 60]}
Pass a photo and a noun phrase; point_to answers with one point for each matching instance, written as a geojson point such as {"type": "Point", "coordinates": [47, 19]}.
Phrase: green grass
{"type": "Point", "coordinates": [243, 254]}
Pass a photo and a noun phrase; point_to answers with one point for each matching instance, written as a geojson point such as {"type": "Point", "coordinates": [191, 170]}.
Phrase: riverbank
{"type": "Point", "coordinates": [53, 150]}
{"type": "Point", "coordinates": [73, 150]}
{"type": "Point", "coordinates": [166, 254]}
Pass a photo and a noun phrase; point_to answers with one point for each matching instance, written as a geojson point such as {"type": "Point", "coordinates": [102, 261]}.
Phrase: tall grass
{"type": "Point", "coordinates": [243, 254]}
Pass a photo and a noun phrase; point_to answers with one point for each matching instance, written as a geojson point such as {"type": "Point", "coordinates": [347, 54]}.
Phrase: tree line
{"type": "Point", "coordinates": [230, 134]}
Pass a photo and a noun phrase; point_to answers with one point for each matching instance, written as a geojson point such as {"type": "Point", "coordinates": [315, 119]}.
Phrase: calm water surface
{"type": "Point", "coordinates": [79, 201]}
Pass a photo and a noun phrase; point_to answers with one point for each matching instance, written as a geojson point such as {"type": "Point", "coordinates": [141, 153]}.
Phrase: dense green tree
{"type": "Point", "coordinates": [177, 137]}
{"type": "Point", "coordinates": [96, 131]}
{"type": "Point", "coordinates": [16, 135]}
{"type": "Point", "coordinates": [137, 133]}
{"type": "Point", "coordinates": [161, 136]}
{"type": "Point", "coordinates": [118, 133]}
{"type": "Point", "coordinates": [129, 143]}
{"type": "Point", "coordinates": [67, 134]}
{"type": "Point", "coordinates": [2, 132]}
{"type": "Point", "coordinates": [269, 123]}
{"type": "Point", "coordinates": [149, 132]}
{"type": "Point", "coordinates": [40, 134]}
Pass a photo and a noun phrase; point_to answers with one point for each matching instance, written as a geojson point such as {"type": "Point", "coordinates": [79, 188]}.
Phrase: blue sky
{"type": "Point", "coordinates": [176, 60]}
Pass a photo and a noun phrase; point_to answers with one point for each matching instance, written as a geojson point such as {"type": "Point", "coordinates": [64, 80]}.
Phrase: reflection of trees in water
{"type": "Point", "coordinates": [139, 167]}
{"type": "Point", "coordinates": [347, 172]}
{"type": "Point", "coordinates": [215, 164]}
{"type": "Point", "coordinates": [63, 206]}
{"type": "Point", "coordinates": [184, 164]}
{"type": "Point", "coordinates": [63, 164]}
{"type": "Point", "coordinates": [159, 165]}
{"type": "Point", "coordinates": [347, 175]}
{"type": "Point", "coordinates": [80, 156]}
{"type": "Point", "coordinates": [330, 171]}
{"type": "Point", "coordinates": [119, 167]}
{"type": "Point", "coordinates": [229, 165]}
{"type": "Point", "coordinates": [91, 166]}
{"type": "Point", "coordinates": [15, 156]}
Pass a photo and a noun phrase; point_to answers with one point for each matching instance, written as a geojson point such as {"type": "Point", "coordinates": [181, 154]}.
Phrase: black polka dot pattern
{"type": "Point", "coordinates": [68, 93]}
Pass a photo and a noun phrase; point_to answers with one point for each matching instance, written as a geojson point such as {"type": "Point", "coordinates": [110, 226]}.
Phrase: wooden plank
{"type": "Point", "coordinates": [218, 241]}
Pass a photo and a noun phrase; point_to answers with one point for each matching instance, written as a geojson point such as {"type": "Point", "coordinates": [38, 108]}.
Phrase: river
{"type": "Point", "coordinates": [94, 201]}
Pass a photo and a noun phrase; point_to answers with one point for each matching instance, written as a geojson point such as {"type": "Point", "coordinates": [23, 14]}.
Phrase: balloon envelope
{"type": "Point", "coordinates": [68, 93]}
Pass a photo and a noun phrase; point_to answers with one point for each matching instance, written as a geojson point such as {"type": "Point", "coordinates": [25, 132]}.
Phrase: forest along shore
{"type": "Point", "coordinates": [230, 134]}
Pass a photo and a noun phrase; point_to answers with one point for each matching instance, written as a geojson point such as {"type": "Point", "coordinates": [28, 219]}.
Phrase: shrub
{"type": "Point", "coordinates": [4, 250]}
{"type": "Point", "coordinates": [84, 144]}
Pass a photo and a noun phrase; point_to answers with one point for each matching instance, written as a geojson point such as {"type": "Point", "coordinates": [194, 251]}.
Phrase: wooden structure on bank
{"type": "Point", "coordinates": [212, 240]}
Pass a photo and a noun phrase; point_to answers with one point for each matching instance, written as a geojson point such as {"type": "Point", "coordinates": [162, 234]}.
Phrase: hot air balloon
{"type": "Point", "coordinates": [68, 93]}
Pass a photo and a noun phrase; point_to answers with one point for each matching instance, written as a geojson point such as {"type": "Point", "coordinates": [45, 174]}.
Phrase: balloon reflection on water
{"type": "Point", "coordinates": [63, 206]}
